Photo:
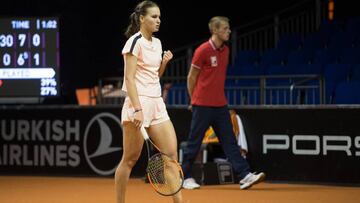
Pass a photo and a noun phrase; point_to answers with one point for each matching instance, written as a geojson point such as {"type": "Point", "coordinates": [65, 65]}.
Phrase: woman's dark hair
{"type": "Point", "coordinates": [140, 9]}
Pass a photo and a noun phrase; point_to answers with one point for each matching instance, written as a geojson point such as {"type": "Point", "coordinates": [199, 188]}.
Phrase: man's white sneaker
{"type": "Point", "coordinates": [190, 184]}
{"type": "Point", "coordinates": [251, 179]}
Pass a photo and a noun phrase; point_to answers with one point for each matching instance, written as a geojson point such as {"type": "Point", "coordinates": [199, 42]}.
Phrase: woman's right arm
{"type": "Point", "coordinates": [130, 71]}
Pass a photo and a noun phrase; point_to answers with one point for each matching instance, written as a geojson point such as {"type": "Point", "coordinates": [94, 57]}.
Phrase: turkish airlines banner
{"type": "Point", "coordinates": [61, 141]}
{"type": "Point", "coordinates": [307, 144]}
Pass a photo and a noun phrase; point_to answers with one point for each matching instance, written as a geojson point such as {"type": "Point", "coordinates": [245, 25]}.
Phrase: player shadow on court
{"type": "Point", "coordinates": [267, 187]}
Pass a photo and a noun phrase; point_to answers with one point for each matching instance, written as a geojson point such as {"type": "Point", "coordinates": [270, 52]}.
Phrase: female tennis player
{"type": "Point", "coordinates": [144, 64]}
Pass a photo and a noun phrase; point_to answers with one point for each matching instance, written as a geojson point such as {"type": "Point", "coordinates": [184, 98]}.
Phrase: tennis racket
{"type": "Point", "coordinates": [164, 173]}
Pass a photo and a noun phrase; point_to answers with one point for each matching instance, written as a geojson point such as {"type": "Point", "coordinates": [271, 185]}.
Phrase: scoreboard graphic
{"type": "Point", "coordinates": [29, 57]}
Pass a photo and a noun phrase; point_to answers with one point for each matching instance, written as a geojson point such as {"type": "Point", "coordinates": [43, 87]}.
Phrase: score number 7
{"type": "Point", "coordinates": [35, 39]}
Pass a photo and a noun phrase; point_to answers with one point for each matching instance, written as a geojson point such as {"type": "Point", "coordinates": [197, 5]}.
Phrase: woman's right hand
{"type": "Point", "coordinates": [138, 118]}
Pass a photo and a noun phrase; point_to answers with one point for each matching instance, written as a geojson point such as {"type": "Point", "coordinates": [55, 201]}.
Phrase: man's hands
{"type": "Point", "coordinates": [190, 107]}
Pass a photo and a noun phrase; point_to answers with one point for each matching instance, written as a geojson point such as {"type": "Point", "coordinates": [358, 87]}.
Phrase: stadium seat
{"type": "Point", "coordinates": [273, 57]}
{"type": "Point", "coordinates": [306, 91]}
{"type": "Point", "coordinates": [353, 26]}
{"type": "Point", "coordinates": [350, 55]}
{"type": "Point", "coordinates": [313, 41]}
{"type": "Point", "coordinates": [301, 56]}
{"type": "Point", "coordinates": [177, 94]}
{"type": "Point", "coordinates": [341, 41]}
{"type": "Point", "coordinates": [244, 90]}
{"type": "Point", "coordinates": [328, 28]}
{"type": "Point", "coordinates": [246, 57]}
{"type": "Point", "coordinates": [289, 42]}
{"type": "Point", "coordinates": [326, 56]}
{"type": "Point", "coordinates": [304, 68]}
{"type": "Point", "coordinates": [334, 74]}
{"type": "Point", "coordinates": [245, 70]}
{"type": "Point", "coordinates": [277, 89]}
{"type": "Point", "coordinates": [355, 73]}
{"type": "Point", "coordinates": [347, 92]}
{"type": "Point", "coordinates": [234, 95]}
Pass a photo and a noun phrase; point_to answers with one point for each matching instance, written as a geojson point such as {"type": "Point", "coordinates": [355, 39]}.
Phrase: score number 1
{"type": "Point", "coordinates": [21, 58]}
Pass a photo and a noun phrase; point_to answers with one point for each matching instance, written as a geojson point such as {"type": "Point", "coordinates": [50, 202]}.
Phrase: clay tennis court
{"type": "Point", "coordinates": [26, 189]}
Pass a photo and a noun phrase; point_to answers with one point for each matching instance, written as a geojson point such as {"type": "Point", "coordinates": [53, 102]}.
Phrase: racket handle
{"type": "Point", "coordinates": [144, 133]}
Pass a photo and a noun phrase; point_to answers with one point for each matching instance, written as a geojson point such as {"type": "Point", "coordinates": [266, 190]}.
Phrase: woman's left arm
{"type": "Point", "coordinates": [166, 58]}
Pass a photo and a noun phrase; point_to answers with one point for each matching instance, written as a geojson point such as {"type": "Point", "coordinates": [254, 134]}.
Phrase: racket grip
{"type": "Point", "coordinates": [144, 133]}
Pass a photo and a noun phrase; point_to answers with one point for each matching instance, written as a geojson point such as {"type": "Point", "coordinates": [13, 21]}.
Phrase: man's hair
{"type": "Point", "coordinates": [216, 21]}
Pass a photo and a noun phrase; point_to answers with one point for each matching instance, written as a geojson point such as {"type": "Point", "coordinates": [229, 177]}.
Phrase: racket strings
{"type": "Point", "coordinates": [164, 174]}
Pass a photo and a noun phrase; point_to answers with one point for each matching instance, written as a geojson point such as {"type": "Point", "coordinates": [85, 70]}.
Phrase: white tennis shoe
{"type": "Point", "coordinates": [251, 179]}
{"type": "Point", "coordinates": [190, 184]}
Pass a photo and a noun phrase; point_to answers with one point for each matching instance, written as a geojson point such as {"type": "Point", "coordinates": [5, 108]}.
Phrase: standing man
{"type": "Point", "coordinates": [205, 83]}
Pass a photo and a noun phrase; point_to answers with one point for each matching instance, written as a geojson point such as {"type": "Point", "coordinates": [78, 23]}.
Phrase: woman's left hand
{"type": "Point", "coordinates": [167, 56]}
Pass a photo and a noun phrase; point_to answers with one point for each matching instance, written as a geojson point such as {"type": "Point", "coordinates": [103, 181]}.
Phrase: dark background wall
{"type": "Point", "coordinates": [91, 33]}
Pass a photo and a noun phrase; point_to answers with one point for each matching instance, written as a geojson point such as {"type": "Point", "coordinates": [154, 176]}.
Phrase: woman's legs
{"type": "Point", "coordinates": [132, 146]}
{"type": "Point", "coordinates": [164, 136]}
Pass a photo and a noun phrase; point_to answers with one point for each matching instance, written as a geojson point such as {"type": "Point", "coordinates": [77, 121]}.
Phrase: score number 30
{"type": "Point", "coordinates": [7, 41]}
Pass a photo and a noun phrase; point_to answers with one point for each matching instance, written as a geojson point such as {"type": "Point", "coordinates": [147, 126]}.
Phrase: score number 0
{"type": "Point", "coordinates": [7, 41]}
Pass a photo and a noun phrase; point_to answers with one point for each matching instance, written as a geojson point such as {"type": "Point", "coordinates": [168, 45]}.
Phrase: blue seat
{"type": "Point", "coordinates": [177, 95]}
{"type": "Point", "coordinates": [326, 56]}
{"type": "Point", "coordinates": [276, 70]}
{"type": "Point", "coordinates": [289, 42]}
{"type": "Point", "coordinates": [232, 70]}
{"type": "Point", "coordinates": [357, 42]}
{"type": "Point", "coordinates": [334, 74]}
{"type": "Point", "coordinates": [246, 57]}
{"type": "Point", "coordinates": [244, 70]}
{"type": "Point", "coordinates": [314, 41]}
{"type": "Point", "coordinates": [305, 68]}
{"type": "Point", "coordinates": [350, 55]}
{"type": "Point", "coordinates": [243, 95]}
{"type": "Point", "coordinates": [341, 41]}
{"type": "Point", "coordinates": [328, 28]}
{"type": "Point", "coordinates": [278, 90]}
{"type": "Point", "coordinates": [245, 90]}
{"type": "Point", "coordinates": [355, 73]}
{"type": "Point", "coordinates": [301, 56]}
{"type": "Point", "coordinates": [249, 70]}
{"type": "Point", "coordinates": [353, 26]}
{"type": "Point", "coordinates": [311, 94]}
{"type": "Point", "coordinates": [273, 57]}
{"type": "Point", "coordinates": [347, 92]}
{"type": "Point", "coordinates": [234, 95]}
